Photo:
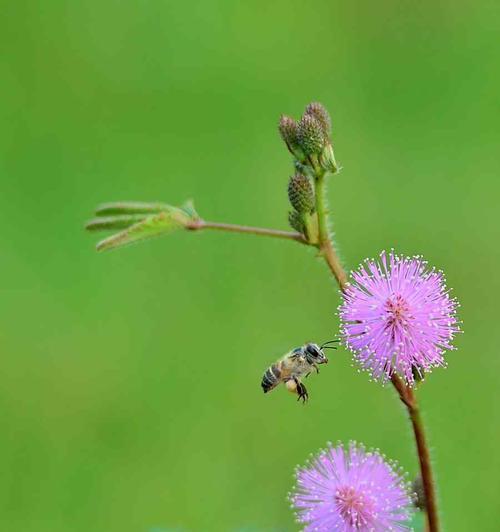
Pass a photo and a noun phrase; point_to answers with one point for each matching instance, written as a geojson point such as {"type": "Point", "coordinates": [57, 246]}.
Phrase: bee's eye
{"type": "Point", "coordinates": [312, 350]}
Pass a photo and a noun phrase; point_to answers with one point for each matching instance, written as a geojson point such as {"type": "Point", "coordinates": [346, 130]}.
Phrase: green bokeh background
{"type": "Point", "coordinates": [130, 396]}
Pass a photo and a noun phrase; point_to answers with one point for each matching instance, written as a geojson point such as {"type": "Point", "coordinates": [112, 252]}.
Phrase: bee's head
{"type": "Point", "coordinates": [315, 354]}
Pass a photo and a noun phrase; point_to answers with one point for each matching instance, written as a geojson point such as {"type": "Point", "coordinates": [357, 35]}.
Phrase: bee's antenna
{"type": "Point", "coordinates": [329, 342]}
{"type": "Point", "coordinates": [329, 347]}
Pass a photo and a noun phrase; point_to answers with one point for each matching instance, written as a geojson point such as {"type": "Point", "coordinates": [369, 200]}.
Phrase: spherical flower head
{"type": "Point", "coordinates": [350, 490]}
{"type": "Point", "coordinates": [397, 317]}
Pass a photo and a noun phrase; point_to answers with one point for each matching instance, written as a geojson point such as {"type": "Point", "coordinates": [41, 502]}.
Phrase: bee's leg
{"type": "Point", "coordinates": [316, 368]}
{"type": "Point", "coordinates": [302, 391]}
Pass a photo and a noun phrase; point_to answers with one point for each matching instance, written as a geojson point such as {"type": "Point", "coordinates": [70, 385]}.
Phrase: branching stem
{"type": "Point", "coordinates": [127, 213]}
{"type": "Point", "coordinates": [233, 228]}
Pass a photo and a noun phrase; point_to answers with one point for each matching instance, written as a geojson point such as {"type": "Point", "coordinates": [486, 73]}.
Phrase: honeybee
{"type": "Point", "coordinates": [294, 366]}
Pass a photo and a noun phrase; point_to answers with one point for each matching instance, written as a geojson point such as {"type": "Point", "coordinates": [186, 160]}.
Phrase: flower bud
{"type": "Point", "coordinates": [319, 112]}
{"type": "Point", "coordinates": [311, 138]}
{"type": "Point", "coordinates": [289, 133]}
{"type": "Point", "coordinates": [296, 222]}
{"type": "Point", "coordinates": [327, 159]}
{"type": "Point", "coordinates": [301, 194]}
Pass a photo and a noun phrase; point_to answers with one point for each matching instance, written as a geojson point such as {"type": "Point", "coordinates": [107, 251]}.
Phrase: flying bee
{"type": "Point", "coordinates": [294, 366]}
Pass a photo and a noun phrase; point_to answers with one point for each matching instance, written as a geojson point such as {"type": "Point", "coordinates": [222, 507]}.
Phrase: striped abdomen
{"type": "Point", "coordinates": [271, 378]}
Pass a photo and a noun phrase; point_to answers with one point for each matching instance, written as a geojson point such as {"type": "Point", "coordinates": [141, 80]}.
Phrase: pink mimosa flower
{"type": "Point", "coordinates": [397, 317]}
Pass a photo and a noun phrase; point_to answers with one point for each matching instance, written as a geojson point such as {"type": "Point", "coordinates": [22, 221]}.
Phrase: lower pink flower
{"type": "Point", "coordinates": [349, 490]}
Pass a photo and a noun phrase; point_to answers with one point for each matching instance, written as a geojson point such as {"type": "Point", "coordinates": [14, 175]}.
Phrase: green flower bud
{"type": "Point", "coordinates": [311, 137]}
{"type": "Point", "coordinates": [289, 132]}
{"type": "Point", "coordinates": [296, 222]}
{"type": "Point", "coordinates": [317, 111]}
{"type": "Point", "coordinates": [301, 194]}
{"type": "Point", "coordinates": [327, 159]}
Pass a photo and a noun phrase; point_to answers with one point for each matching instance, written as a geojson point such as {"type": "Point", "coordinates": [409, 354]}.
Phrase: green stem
{"type": "Point", "coordinates": [325, 244]}
{"type": "Point", "coordinates": [233, 228]}
{"type": "Point", "coordinates": [408, 398]}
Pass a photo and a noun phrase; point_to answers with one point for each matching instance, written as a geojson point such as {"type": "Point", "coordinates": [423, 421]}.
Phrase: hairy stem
{"type": "Point", "coordinates": [407, 396]}
{"type": "Point", "coordinates": [325, 243]}
{"type": "Point", "coordinates": [232, 228]}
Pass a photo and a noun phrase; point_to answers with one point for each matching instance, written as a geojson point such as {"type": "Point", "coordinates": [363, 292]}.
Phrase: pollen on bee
{"type": "Point", "coordinates": [291, 386]}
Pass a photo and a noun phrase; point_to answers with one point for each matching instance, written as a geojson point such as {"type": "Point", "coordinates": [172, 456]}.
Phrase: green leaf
{"type": "Point", "coordinates": [130, 207]}
{"type": "Point", "coordinates": [108, 223]}
{"type": "Point", "coordinates": [170, 219]}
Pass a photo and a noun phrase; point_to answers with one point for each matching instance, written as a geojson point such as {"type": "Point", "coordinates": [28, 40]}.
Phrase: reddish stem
{"type": "Point", "coordinates": [407, 396]}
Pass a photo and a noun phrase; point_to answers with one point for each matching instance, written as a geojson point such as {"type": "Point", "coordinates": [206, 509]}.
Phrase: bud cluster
{"type": "Point", "coordinates": [309, 141]}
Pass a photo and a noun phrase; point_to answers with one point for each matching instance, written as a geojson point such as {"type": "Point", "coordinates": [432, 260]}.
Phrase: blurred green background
{"type": "Point", "coordinates": [130, 394]}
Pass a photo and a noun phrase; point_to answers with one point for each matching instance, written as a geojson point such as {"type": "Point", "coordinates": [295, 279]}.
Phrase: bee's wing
{"type": "Point", "coordinates": [289, 362]}
{"type": "Point", "coordinates": [292, 355]}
